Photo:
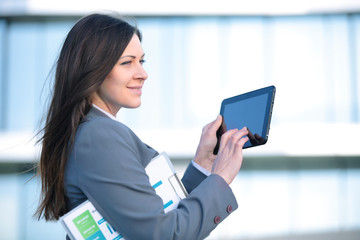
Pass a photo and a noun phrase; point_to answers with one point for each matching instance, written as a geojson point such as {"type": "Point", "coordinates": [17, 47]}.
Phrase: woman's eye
{"type": "Point", "coordinates": [125, 63]}
{"type": "Point", "coordinates": [142, 61]}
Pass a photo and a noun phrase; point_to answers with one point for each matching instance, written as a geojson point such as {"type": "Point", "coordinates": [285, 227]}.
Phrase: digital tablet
{"type": "Point", "coordinates": [252, 110]}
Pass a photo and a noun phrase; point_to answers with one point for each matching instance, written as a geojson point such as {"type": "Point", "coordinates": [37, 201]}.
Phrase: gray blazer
{"type": "Point", "coordinates": [107, 166]}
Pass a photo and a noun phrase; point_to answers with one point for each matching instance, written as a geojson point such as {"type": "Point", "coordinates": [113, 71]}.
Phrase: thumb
{"type": "Point", "coordinates": [216, 123]}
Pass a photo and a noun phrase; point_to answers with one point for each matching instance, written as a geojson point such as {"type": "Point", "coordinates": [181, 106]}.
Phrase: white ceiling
{"type": "Point", "coordinates": [183, 7]}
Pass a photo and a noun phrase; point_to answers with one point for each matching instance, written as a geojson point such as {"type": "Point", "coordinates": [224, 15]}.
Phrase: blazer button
{"type": "Point", "coordinates": [217, 219]}
{"type": "Point", "coordinates": [229, 209]}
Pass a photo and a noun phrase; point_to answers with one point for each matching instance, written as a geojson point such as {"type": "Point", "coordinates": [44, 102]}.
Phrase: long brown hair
{"type": "Point", "coordinates": [90, 51]}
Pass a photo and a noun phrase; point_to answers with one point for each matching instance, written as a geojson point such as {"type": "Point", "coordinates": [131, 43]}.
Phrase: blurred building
{"type": "Point", "coordinates": [303, 184]}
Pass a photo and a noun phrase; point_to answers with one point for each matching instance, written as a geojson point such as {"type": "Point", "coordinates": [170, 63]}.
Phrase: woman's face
{"type": "Point", "coordinates": [123, 86]}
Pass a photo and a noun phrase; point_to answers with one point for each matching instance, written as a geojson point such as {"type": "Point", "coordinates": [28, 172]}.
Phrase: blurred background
{"type": "Point", "coordinates": [303, 184]}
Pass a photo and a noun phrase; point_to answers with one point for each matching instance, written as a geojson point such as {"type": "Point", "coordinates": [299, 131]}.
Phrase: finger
{"type": "Point", "coordinates": [231, 138]}
{"type": "Point", "coordinates": [235, 139]}
{"type": "Point", "coordinates": [239, 145]}
{"type": "Point", "coordinates": [226, 137]}
{"type": "Point", "coordinates": [240, 133]}
{"type": "Point", "coordinates": [242, 142]}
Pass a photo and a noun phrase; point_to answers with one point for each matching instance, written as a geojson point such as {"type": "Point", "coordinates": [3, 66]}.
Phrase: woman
{"type": "Point", "coordinates": [88, 154]}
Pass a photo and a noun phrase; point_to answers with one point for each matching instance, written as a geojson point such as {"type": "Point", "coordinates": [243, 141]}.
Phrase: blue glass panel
{"type": "Point", "coordinates": [2, 72]}
{"type": "Point", "coordinates": [25, 59]}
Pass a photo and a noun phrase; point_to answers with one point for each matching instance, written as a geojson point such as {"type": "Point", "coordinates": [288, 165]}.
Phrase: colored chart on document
{"type": "Point", "coordinates": [86, 223]}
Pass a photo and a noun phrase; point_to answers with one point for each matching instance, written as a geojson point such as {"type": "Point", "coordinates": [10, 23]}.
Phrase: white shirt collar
{"type": "Point", "coordinates": [105, 112]}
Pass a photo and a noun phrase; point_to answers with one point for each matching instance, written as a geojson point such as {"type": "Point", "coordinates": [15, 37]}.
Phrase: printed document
{"type": "Point", "coordinates": [86, 223]}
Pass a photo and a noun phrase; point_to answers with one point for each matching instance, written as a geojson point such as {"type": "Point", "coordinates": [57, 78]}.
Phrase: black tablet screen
{"type": "Point", "coordinates": [252, 110]}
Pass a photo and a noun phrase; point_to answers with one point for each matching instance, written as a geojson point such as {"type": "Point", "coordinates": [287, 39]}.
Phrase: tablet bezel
{"type": "Point", "coordinates": [270, 91]}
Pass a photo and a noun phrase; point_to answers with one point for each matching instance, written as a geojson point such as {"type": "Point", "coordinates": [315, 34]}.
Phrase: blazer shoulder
{"type": "Point", "coordinates": [97, 124]}
{"type": "Point", "coordinates": [102, 132]}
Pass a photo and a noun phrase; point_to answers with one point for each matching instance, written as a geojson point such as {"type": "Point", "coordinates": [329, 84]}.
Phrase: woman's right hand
{"type": "Point", "coordinates": [229, 158]}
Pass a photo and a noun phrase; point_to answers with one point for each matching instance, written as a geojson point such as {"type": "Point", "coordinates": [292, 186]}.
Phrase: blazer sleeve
{"type": "Point", "coordinates": [111, 175]}
{"type": "Point", "coordinates": [192, 178]}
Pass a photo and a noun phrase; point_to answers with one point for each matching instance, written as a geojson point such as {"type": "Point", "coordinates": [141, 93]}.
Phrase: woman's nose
{"type": "Point", "coordinates": [141, 74]}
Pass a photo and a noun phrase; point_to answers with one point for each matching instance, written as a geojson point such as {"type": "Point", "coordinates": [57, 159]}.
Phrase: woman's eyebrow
{"type": "Point", "coordinates": [131, 56]}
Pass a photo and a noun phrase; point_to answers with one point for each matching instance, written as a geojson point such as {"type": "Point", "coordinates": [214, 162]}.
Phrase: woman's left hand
{"type": "Point", "coordinates": [204, 155]}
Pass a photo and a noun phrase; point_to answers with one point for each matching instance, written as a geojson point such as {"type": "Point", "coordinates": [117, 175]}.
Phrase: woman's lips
{"type": "Point", "coordinates": [136, 89]}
